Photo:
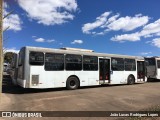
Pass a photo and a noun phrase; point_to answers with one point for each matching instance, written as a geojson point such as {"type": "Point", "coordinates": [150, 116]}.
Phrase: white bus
{"type": "Point", "coordinates": [153, 67]}
{"type": "Point", "coordinates": [72, 68]}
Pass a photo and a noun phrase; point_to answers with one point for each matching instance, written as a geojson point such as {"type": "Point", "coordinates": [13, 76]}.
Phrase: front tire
{"type": "Point", "coordinates": [72, 83]}
{"type": "Point", "coordinates": [131, 80]}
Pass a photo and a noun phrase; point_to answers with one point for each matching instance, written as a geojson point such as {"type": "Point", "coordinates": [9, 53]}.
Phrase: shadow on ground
{"type": "Point", "coordinates": [153, 80]}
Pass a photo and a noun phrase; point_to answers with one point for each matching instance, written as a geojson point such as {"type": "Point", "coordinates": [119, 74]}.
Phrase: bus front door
{"type": "Point", "coordinates": [104, 71]}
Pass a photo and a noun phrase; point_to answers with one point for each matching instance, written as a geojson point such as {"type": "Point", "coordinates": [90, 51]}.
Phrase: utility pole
{"type": "Point", "coordinates": [1, 47]}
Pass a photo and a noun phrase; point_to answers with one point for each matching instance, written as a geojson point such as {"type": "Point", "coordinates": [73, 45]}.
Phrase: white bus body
{"type": "Point", "coordinates": [153, 67]}
{"type": "Point", "coordinates": [53, 68]}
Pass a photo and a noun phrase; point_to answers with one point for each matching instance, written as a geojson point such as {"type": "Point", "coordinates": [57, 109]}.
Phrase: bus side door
{"type": "Point", "coordinates": [104, 70]}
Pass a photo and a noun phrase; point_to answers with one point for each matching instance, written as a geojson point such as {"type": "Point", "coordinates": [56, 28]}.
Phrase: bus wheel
{"type": "Point", "coordinates": [72, 83]}
{"type": "Point", "coordinates": [130, 80]}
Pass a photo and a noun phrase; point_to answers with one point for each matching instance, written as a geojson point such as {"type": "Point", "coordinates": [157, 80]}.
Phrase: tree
{"type": "Point", "coordinates": [8, 57]}
{"type": "Point", "coordinates": [1, 44]}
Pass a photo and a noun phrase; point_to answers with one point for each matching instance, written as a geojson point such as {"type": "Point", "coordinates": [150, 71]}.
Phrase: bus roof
{"type": "Point", "coordinates": [154, 57]}
{"type": "Point", "coordinates": [80, 52]}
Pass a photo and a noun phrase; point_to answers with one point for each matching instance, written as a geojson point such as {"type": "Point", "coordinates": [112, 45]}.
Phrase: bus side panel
{"type": "Point", "coordinates": [20, 79]}
{"type": "Point", "coordinates": [158, 73]}
{"type": "Point", "coordinates": [117, 77]}
{"type": "Point", "coordinates": [21, 82]}
{"type": "Point", "coordinates": [127, 73]}
{"type": "Point", "coordinates": [56, 78]}
{"type": "Point", "coordinates": [37, 71]}
{"type": "Point", "coordinates": [53, 79]}
{"type": "Point", "coordinates": [88, 78]}
{"type": "Point", "coordinates": [48, 79]}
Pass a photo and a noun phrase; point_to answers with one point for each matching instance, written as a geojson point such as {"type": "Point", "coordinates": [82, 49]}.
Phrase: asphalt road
{"type": "Point", "coordinates": [97, 98]}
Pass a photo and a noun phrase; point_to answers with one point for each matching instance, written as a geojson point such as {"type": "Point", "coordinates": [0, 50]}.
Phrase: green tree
{"type": "Point", "coordinates": [8, 57]}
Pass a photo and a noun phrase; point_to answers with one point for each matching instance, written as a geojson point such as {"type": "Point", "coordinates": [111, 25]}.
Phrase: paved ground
{"type": "Point", "coordinates": [97, 98]}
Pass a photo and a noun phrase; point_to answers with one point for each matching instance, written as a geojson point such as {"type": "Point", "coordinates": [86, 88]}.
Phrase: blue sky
{"type": "Point", "coordinates": [115, 26]}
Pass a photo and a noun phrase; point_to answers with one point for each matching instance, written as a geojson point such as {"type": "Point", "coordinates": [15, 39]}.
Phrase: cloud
{"type": "Point", "coordinates": [13, 21]}
{"type": "Point", "coordinates": [34, 36]}
{"type": "Point", "coordinates": [77, 42]}
{"type": "Point", "coordinates": [152, 28]}
{"type": "Point", "coordinates": [158, 34]}
{"type": "Point", "coordinates": [149, 30]}
{"type": "Point", "coordinates": [114, 23]}
{"type": "Point", "coordinates": [128, 23]}
{"type": "Point", "coordinates": [14, 50]}
{"type": "Point", "coordinates": [60, 43]}
{"type": "Point", "coordinates": [148, 36]}
{"type": "Point", "coordinates": [107, 23]}
{"type": "Point", "coordinates": [110, 20]}
{"type": "Point", "coordinates": [156, 42]}
{"type": "Point", "coordinates": [42, 40]}
{"type": "Point", "coordinates": [127, 37]}
{"type": "Point", "coordinates": [49, 12]}
{"type": "Point", "coordinates": [145, 53]}
{"type": "Point", "coordinates": [101, 20]}
{"type": "Point", "coordinates": [49, 41]}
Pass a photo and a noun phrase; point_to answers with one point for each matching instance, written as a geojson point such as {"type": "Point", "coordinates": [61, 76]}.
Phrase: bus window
{"type": "Point", "coordinates": [117, 64]}
{"type": "Point", "coordinates": [21, 64]}
{"type": "Point", "coordinates": [73, 62]}
{"type": "Point", "coordinates": [90, 63]}
{"type": "Point", "coordinates": [130, 65]}
{"type": "Point", "coordinates": [36, 58]}
{"type": "Point", "coordinates": [21, 57]}
{"type": "Point", "coordinates": [150, 61]}
{"type": "Point", "coordinates": [158, 63]}
{"type": "Point", "coordinates": [54, 61]}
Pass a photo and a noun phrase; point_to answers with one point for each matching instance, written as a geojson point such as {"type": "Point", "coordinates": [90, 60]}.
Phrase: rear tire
{"type": "Point", "coordinates": [72, 83]}
{"type": "Point", "coordinates": [131, 80]}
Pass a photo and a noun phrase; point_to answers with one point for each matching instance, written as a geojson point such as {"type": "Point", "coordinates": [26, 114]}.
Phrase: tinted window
{"type": "Point", "coordinates": [158, 63]}
{"type": "Point", "coordinates": [54, 61]}
{"type": "Point", "coordinates": [36, 58]}
{"type": "Point", "coordinates": [21, 57]}
{"type": "Point", "coordinates": [90, 63]}
{"type": "Point", "coordinates": [130, 65]}
{"type": "Point", "coordinates": [73, 62]}
{"type": "Point", "coordinates": [117, 64]}
{"type": "Point", "coordinates": [140, 66]}
{"type": "Point", "coordinates": [150, 61]}
{"type": "Point", "coordinates": [14, 61]}
{"type": "Point", "coordinates": [21, 61]}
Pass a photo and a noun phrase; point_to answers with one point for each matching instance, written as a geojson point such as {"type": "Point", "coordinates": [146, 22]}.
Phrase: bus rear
{"type": "Point", "coordinates": [21, 78]}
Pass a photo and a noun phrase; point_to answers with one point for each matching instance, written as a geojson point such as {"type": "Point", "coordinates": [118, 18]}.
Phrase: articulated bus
{"type": "Point", "coordinates": [153, 67]}
{"type": "Point", "coordinates": [73, 68]}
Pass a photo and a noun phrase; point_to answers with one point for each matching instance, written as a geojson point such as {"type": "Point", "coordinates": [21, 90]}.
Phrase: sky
{"type": "Point", "coordinates": [106, 26]}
